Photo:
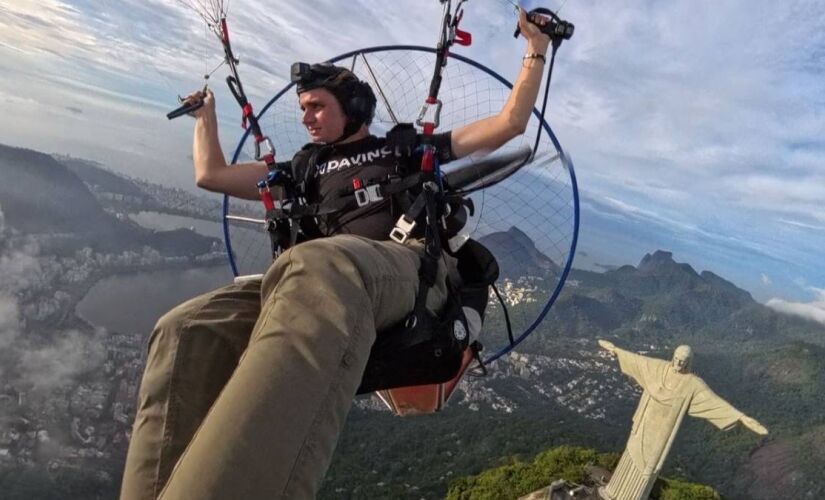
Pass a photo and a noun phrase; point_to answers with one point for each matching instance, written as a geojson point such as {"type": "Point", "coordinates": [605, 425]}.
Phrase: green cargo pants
{"type": "Point", "coordinates": [246, 388]}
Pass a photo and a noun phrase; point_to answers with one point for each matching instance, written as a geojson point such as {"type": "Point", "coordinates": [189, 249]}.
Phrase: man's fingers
{"type": "Point", "coordinates": [197, 95]}
{"type": "Point", "coordinates": [191, 98]}
{"type": "Point", "coordinates": [539, 19]}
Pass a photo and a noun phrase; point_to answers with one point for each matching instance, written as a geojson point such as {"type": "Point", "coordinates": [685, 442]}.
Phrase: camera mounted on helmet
{"type": "Point", "coordinates": [355, 96]}
{"type": "Point", "coordinates": [311, 76]}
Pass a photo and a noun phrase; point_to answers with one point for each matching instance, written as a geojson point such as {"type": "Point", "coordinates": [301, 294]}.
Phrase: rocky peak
{"type": "Point", "coordinates": [661, 262]}
{"type": "Point", "coordinates": [517, 254]}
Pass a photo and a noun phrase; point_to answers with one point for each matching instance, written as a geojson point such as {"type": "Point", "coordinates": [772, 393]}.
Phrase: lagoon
{"type": "Point", "coordinates": [132, 303]}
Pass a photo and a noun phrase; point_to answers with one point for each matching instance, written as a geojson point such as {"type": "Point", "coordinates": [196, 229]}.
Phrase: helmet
{"type": "Point", "coordinates": [355, 96]}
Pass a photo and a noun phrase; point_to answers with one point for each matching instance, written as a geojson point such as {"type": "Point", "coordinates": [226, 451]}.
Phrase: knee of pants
{"type": "Point", "coordinates": [169, 326]}
{"type": "Point", "coordinates": [161, 352]}
{"type": "Point", "coordinates": [320, 259]}
{"type": "Point", "coordinates": [323, 254]}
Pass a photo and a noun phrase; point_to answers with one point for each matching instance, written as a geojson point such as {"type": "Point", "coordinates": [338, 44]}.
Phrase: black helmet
{"type": "Point", "coordinates": [355, 96]}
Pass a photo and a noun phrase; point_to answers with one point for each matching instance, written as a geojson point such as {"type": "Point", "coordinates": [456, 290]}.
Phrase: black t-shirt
{"type": "Point", "coordinates": [341, 168]}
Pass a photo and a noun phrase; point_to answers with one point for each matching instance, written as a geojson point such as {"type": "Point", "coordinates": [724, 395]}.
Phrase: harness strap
{"type": "Point", "coordinates": [428, 271]}
{"type": "Point", "coordinates": [346, 202]}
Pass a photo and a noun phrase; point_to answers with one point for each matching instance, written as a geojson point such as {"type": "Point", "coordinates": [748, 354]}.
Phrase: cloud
{"type": "Point", "coordinates": [703, 118]}
{"type": "Point", "coordinates": [802, 194]}
{"type": "Point", "coordinates": [58, 363]}
{"type": "Point", "coordinates": [9, 321]}
{"type": "Point", "coordinates": [802, 225]}
{"type": "Point", "coordinates": [74, 110]}
{"type": "Point", "coordinates": [16, 270]}
{"type": "Point", "coordinates": [18, 263]}
{"type": "Point", "coordinates": [678, 225]}
{"type": "Point", "coordinates": [814, 310]}
{"type": "Point", "coordinates": [23, 358]}
{"type": "Point", "coordinates": [766, 280]}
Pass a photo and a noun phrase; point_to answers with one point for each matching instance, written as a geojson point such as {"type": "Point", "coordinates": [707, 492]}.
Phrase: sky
{"type": "Point", "coordinates": [696, 127]}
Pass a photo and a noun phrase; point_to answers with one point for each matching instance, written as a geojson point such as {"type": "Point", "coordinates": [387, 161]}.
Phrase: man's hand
{"type": "Point", "coordinates": [492, 132]}
{"type": "Point", "coordinates": [536, 40]}
{"type": "Point", "coordinates": [753, 425]}
{"type": "Point", "coordinates": [208, 108]}
{"type": "Point", "coordinates": [607, 346]}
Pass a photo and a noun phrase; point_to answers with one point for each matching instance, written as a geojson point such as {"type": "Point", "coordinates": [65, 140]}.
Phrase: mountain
{"type": "Point", "coordinates": [44, 197]}
{"type": "Point", "coordinates": [657, 299]}
{"type": "Point", "coordinates": [517, 254]}
{"type": "Point", "coordinates": [98, 178]}
{"type": "Point", "coordinates": [40, 195]}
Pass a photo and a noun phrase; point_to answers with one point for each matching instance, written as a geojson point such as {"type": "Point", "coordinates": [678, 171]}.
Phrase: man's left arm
{"type": "Point", "coordinates": [493, 132]}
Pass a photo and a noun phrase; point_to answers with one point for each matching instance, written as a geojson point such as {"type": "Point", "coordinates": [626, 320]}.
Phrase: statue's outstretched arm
{"type": "Point", "coordinates": [753, 425]}
{"type": "Point", "coordinates": [607, 346]}
{"type": "Point", "coordinates": [630, 363]}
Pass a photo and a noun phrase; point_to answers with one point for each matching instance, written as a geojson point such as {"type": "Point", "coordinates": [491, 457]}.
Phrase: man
{"type": "Point", "coordinates": [246, 388]}
{"type": "Point", "coordinates": [670, 393]}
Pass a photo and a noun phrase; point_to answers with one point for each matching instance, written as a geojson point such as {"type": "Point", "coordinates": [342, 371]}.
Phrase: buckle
{"type": "Point", "coordinates": [430, 113]}
{"type": "Point", "coordinates": [401, 232]}
{"type": "Point", "coordinates": [270, 149]}
{"type": "Point", "coordinates": [369, 194]}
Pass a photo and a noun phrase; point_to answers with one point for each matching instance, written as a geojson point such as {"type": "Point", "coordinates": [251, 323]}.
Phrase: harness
{"type": "Point", "coordinates": [424, 348]}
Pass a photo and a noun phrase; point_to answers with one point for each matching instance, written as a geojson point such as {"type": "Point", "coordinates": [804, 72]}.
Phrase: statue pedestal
{"type": "Point", "coordinates": [565, 490]}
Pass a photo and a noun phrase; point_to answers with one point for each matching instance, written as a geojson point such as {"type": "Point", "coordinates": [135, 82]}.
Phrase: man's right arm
{"type": "Point", "coordinates": [211, 170]}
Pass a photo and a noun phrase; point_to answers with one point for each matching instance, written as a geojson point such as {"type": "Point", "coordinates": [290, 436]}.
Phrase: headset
{"type": "Point", "coordinates": [356, 97]}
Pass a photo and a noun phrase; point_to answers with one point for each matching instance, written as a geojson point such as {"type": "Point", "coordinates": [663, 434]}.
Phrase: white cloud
{"type": "Point", "coordinates": [56, 364]}
{"type": "Point", "coordinates": [766, 280]}
{"type": "Point", "coordinates": [778, 192]}
{"type": "Point", "coordinates": [803, 225]}
{"type": "Point", "coordinates": [41, 367]}
{"type": "Point", "coordinates": [814, 310]}
{"type": "Point", "coordinates": [9, 320]}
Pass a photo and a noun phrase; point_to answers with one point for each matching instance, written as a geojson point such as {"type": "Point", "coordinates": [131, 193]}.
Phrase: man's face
{"type": "Point", "coordinates": [323, 116]}
{"type": "Point", "coordinates": [681, 359]}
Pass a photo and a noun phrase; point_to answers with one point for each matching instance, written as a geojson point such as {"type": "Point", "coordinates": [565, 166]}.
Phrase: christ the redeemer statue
{"type": "Point", "coordinates": [670, 392]}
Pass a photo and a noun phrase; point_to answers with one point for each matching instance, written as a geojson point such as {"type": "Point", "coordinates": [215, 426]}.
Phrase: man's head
{"type": "Point", "coordinates": [682, 357]}
{"type": "Point", "coordinates": [336, 104]}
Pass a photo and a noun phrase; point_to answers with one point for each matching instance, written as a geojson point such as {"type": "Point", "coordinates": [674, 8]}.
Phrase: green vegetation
{"type": "Point", "coordinates": [519, 478]}
{"type": "Point", "coordinates": [674, 489]}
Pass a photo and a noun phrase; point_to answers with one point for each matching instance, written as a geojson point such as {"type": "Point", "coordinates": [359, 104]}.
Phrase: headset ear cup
{"type": "Point", "coordinates": [361, 108]}
{"type": "Point", "coordinates": [357, 106]}
{"type": "Point", "coordinates": [368, 102]}
{"type": "Point", "coordinates": [359, 102]}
